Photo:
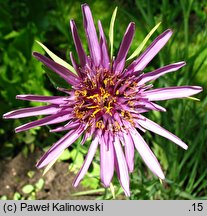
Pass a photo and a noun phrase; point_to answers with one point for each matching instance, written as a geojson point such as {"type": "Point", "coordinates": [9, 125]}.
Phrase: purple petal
{"type": "Point", "coordinates": [158, 107]}
{"type": "Point", "coordinates": [46, 99]}
{"type": "Point", "coordinates": [122, 169]}
{"type": "Point", "coordinates": [142, 61]}
{"type": "Point", "coordinates": [75, 65]}
{"type": "Point", "coordinates": [85, 137]}
{"type": "Point", "coordinates": [124, 48]}
{"type": "Point", "coordinates": [147, 155]}
{"type": "Point", "coordinates": [129, 151]}
{"type": "Point", "coordinates": [103, 46]}
{"type": "Point", "coordinates": [32, 111]}
{"type": "Point", "coordinates": [107, 162]}
{"type": "Point", "coordinates": [91, 35]}
{"type": "Point", "coordinates": [151, 106]}
{"type": "Point", "coordinates": [87, 162]}
{"type": "Point", "coordinates": [67, 75]}
{"type": "Point", "coordinates": [172, 92]}
{"type": "Point", "coordinates": [152, 126]}
{"type": "Point", "coordinates": [68, 126]}
{"type": "Point", "coordinates": [53, 119]}
{"type": "Point", "coordinates": [160, 71]}
{"type": "Point", "coordinates": [78, 45]}
{"type": "Point", "coordinates": [56, 150]}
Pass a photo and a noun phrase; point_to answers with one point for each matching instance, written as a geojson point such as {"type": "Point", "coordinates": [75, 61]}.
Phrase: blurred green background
{"type": "Point", "coordinates": [24, 21]}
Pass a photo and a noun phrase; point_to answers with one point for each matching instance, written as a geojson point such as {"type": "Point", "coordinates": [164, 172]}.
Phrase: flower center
{"type": "Point", "coordinates": [96, 98]}
{"type": "Point", "coordinates": [105, 100]}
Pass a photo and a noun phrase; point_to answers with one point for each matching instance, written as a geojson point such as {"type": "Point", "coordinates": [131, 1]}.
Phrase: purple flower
{"type": "Point", "coordinates": [106, 102]}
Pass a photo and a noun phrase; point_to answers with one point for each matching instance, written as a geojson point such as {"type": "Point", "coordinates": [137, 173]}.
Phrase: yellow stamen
{"type": "Point", "coordinates": [117, 92]}
{"type": "Point", "coordinates": [94, 113]}
{"type": "Point", "coordinates": [92, 107]}
{"type": "Point", "coordinates": [131, 103]}
{"type": "Point", "coordinates": [108, 108]}
{"type": "Point", "coordinates": [93, 96]}
{"type": "Point", "coordinates": [106, 95]}
{"type": "Point", "coordinates": [79, 92]}
{"type": "Point", "coordinates": [116, 126]}
{"type": "Point", "coordinates": [100, 124]}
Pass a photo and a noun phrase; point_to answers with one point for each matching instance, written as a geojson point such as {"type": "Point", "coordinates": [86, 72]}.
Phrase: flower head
{"type": "Point", "coordinates": [107, 102]}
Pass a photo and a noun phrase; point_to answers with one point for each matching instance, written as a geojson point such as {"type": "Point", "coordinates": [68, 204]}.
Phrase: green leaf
{"type": "Point", "coordinates": [112, 191]}
{"type": "Point", "coordinates": [193, 98]}
{"type": "Point", "coordinates": [11, 35]}
{"type": "Point", "coordinates": [32, 196]}
{"type": "Point", "coordinates": [65, 155]}
{"type": "Point", "coordinates": [17, 196]}
{"type": "Point", "coordinates": [56, 58]}
{"type": "Point", "coordinates": [89, 192]}
{"type": "Point", "coordinates": [111, 30]}
{"type": "Point", "coordinates": [40, 184]}
{"type": "Point", "coordinates": [30, 173]}
{"type": "Point", "coordinates": [141, 46]}
{"type": "Point", "coordinates": [4, 197]}
{"type": "Point", "coordinates": [28, 188]}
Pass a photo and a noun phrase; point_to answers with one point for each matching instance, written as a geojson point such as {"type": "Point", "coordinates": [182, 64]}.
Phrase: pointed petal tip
{"type": "Point", "coordinates": [162, 176]}
{"type": "Point", "coordinates": [75, 184]}
{"type": "Point", "coordinates": [39, 164]}
{"type": "Point", "coordinates": [132, 24]}
{"type": "Point", "coordinates": [169, 31]}
{"type": "Point", "coordinates": [127, 192]}
{"type": "Point", "coordinates": [106, 181]}
{"type": "Point", "coordinates": [196, 89]}
{"type": "Point", "coordinates": [9, 115]}
{"type": "Point", "coordinates": [199, 88]}
{"type": "Point", "coordinates": [5, 116]}
{"type": "Point", "coordinates": [34, 53]}
{"type": "Point", "coordinates": [84, 4]}
{"type": "Point", "coordinates": [159, 173]}
{"type": "Point", "coordinates": [105, 184]}
{"type": "Point", "coordinates": [72, 23]}
{"type": "Point", "coordinates": [16, 130]}
{"type": "Point", "coordinates": [91, 34]}
{"type": "Point", "coordinates": [84, 7]}
{"type": "Point", "coordinates": [183, 63]}
{"type": "Point", "coordinates": [180, 64]}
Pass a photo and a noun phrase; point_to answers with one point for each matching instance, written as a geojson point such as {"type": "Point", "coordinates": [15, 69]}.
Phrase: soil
{"type": "Point", "coordinates": [58, 180]}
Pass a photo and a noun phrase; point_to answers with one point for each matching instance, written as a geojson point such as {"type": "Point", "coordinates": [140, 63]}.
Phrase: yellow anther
{"type": "Point", "coordinates": [93, 96]}
{"type": "Point", "coordinates": [105, 81]}
{"type": "Point", "coordinates": [106, 95]}
{"type": "Point", "coordinates": [117, 92]}
{"type": "Point", "coordinates": [79, 92]}
{"type": "Point", "coordinates": [130, 103]}
{"type": "Point", "coordinates": [79, 114]}
{"type": "Point", "coordinates": [116, 126]}
{"type": "Point", "coordinates": [108, 110]}
{"type": "Point", "coordinates": [92, 107]}
{"type": "Point", "coordinates": [102, 91]}
{"type": "Point", "coordinates": [94, 113]}
{"type": "Point", "coordinates": [100, 124]}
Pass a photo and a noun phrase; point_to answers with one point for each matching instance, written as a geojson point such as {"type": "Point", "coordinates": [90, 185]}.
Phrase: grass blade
{"type": "Point", "coordinates": [111, 30]}
{"type": "Point", "coordinates": [141, 46]}
{"type": "Point", "coordinates": [56, 58]}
